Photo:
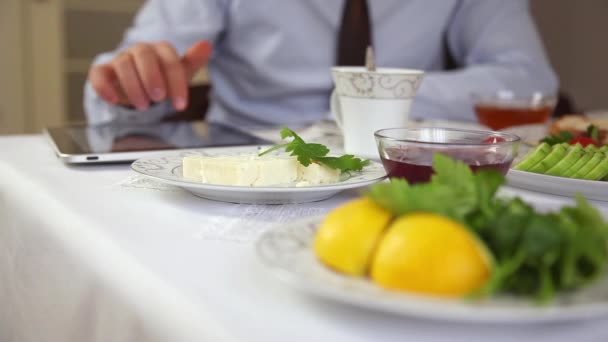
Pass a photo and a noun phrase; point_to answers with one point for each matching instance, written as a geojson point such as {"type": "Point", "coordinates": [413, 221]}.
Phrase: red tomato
{"type": "Point", "coordinates": [584, 141]}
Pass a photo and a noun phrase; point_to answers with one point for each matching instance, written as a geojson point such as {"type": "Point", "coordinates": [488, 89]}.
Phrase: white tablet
{"type": "Point", "coordinates": [113, 143]}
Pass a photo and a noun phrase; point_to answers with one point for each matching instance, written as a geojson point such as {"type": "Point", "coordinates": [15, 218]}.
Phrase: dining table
{"type": "Point", "coordinates": [100, 253]}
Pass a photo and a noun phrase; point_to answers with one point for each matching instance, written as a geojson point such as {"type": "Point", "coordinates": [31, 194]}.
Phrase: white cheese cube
{"type": "Point", "coordinates": [192, 168]}
{"type": "Point", "coordinates": [276, 170]}
{"type": "Point", "coordinates": [236, 171]}
{"type": "Point", "coordinates": [315, 174]}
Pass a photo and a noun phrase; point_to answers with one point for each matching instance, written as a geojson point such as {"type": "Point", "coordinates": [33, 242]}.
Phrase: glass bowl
{"type": "Point", "coordinates": [506, 108]}
{"type": "Point", "coordinates": [408, 152]}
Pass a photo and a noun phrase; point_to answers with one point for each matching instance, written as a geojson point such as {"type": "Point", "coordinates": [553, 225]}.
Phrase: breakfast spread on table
{"type": "Point", "coordinates": [576, 148]}
{"type": "Point", "coordinates": [438, 228]}
{"type": "Point", "coordinates": [308, 164]}
{"type": "Point", "coordinates": [453, 237]}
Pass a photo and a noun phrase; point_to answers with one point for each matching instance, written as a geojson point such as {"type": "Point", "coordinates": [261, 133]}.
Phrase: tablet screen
{"type": "Point", "coordinates": [111, 138]}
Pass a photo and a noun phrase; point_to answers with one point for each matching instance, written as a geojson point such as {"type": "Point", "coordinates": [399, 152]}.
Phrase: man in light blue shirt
{"type": "Point", "coordinates": [271, 58]}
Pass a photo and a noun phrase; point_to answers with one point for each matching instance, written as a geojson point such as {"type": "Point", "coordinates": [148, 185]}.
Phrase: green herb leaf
{"type": "Point", "coordinates": [487, 183]}
{"type": "Point", "coordinates": [593, 132]}
{"type": "Point", "coordinates": [451, 172]}
{"type": "Point", "coordinates": [452, 191]}
{"type": "Point", "coordinates": [308, 153]}
{"type": "Point", "coordinates": [561, 137]}
{"type": "Point", "coordinates": [427, 197]}
{"type": "Point", "coordinates": [345, 163]}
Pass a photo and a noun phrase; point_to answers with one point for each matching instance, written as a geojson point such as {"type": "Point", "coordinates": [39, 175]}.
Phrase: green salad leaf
{"type": "Point", "coordinates": [593, 132]}
{"type": "Point", "coordinates": [308, 153]}
{"type": "Point", "coordinates": [561, 137]}
{"type": "Point", "coordinates": [536, 254]}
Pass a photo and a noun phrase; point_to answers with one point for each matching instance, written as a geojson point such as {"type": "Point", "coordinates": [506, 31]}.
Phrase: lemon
{"type": "Point", "coordinates": [346, 238]}
{"type": "Point", "coordinates": [430, 254]}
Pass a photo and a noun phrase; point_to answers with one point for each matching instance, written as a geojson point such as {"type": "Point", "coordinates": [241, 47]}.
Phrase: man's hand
{"type": "Point", "coordinates": [149, 72]}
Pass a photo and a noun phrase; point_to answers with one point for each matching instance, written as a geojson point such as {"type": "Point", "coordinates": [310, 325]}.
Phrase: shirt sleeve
{"type": "Point", "coordinates": [180, 22]}
{"type": "Point", "coordinates": [497, 43]}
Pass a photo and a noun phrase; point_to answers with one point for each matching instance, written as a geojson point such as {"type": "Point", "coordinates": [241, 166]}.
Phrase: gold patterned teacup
{"type": "Point", "coordinates": [366, 101]}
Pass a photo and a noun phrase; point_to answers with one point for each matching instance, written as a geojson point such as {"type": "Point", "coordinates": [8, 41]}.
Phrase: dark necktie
{"type": "Point", "coordinates": [355, 33]}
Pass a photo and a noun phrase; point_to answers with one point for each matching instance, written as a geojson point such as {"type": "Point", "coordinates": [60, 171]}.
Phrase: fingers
{"type": "Point", "coordinates": [196, 57]}
{"type": "Point", "coordinates": [130, 82]}
{"type": "Point", "coordinates": [149, 71]}
{"type": "Point", "coordinates": [174, 75]}
{"type": "Point", "coordinates": [103, 79]}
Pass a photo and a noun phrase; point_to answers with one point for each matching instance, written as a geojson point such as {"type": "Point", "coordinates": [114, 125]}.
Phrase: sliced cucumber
{"type": "Point", "coordinates": [579, 163]}
{"type": "Point", "coordinates": [555, 156]}
{"type": "Point", "coordinates": [574, 154]}
{"type": "Point", "coordinates": [533, 157]}
{"type": "Point", "coordinates": [599, 171]}
{"type": "Point", "coordinates": [591, 148]}
{"type": "Point", "coordinates": [590, 165]}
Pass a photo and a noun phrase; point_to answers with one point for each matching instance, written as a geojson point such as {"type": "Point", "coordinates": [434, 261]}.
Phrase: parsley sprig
{"type": "Point", "coordinates": [308, 153]}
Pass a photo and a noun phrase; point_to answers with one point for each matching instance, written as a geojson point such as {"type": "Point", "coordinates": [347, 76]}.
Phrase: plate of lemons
{"type": "Point", "coordinates": [415, 250]}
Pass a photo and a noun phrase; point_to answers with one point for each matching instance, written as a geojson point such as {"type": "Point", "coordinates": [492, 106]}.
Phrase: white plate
{"type": "Point", "coordinates": [167, 168]}
{"type": "Point", "coordinates": [562, 186]}
{"type": "Point", "coordinates": [287, 252]}
{"type": "Point", "coordinates": [594, 190]}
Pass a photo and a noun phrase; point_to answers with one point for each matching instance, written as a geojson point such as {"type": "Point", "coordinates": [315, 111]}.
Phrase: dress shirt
{"type": "Point", "coordinates": [272, 58]}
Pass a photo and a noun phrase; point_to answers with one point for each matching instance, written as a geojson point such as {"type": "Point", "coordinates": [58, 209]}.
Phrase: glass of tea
{"type": "Point", "coordinates": [408, 152]}
{"type": "Point", "coordinates": [506, 108]}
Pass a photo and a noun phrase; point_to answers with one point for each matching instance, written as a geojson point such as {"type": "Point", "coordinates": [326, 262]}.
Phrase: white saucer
{"type": "Point", "coordinates": [167, 168]}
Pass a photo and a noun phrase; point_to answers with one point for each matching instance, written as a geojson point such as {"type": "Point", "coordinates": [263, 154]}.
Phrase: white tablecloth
{"type": "Point", "coordinates": [96, 254]}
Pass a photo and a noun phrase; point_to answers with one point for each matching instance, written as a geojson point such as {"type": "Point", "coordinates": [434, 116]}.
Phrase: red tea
{"type": "Point", "coordinates": [417, 167]}
{"type": "Point", "coordinates": [498, 117]}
